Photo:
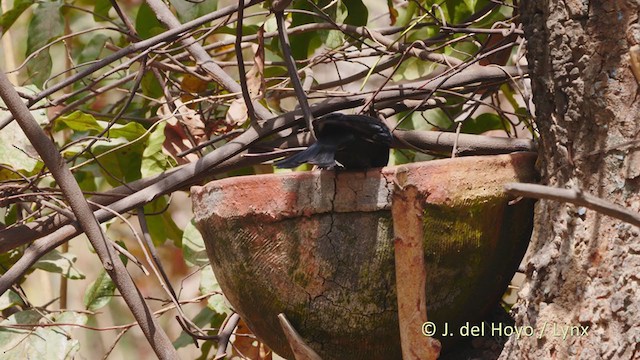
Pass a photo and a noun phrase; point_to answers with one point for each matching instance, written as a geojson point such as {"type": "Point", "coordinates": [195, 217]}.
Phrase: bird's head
{"type": "Point", "coordinates": [364, 127]}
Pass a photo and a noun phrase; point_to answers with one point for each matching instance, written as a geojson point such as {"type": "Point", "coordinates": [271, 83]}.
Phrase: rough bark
{"type": "Point", "coordinates": [583, 266]}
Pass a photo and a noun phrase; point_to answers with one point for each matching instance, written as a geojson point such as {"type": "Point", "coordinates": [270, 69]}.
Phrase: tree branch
{"type": "Point", "coordinates": [168, 35]}
{"type": "Point", "coordinates": [196, 50]}
{"type": "Point", "coordinates": [111, 262]}
{"type": "Point", "coordinates": [293, 72]}
{"type": "Point", "coordinates": [574, 197]}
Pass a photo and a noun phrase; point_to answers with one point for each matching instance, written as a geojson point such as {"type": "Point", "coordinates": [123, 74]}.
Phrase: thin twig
{"type": "Point", "coordinates": [293, 72]}
{"type": "Point", "coordinates": [164, 183]}
{"type": "Point", "coordinates": [229, 326]}
{"type": "Point", "coordinates": [576, 197]}
{"type": "Point", "coordinates": [111, 262]}
{"type": "Point", "coordinates": [241, 70]}
{"type": "Point", "coordinates": [204, 60]}
{"type": "Point", "coordinates": [166, 36]}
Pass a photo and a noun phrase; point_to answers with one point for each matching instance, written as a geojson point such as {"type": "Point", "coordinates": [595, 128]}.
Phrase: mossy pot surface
{"type": "Point", "coordinates": [318, 247]}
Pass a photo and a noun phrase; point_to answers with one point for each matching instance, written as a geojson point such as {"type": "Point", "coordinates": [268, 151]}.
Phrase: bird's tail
{"type": "Point", "coordinates": [316, 154]}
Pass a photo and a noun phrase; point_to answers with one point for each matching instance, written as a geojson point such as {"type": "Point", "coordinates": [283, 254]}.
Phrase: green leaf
{"type": "Point", "coordinates": [150, 86]}
{"type": "Point", "coordinates": [10, 298]}
{"type": "Point", "coordinates": [101, 8]}
{"type": "Point", "coordinates": [246, 29]}
{"type": "Point", "coordinates": [193, 248]}
{"type": "Point", "coordinates": [484, 123]}
{"type": "Point", "coordinates": [471, 4]}
{"type": "Point", "coordinates": [100, 292]}
{"type": "Point", "coordinates": [79, 121]}
{"type": "Point", "coordinates": [60, 263]}
{"type": "Point", "coordinates": [16, 150]}
{"type": "Point", "coordinates": [358, 14]}
{"type": "Point", "coordinates": [305, 43]}
{"type": "Point", "coordinates": [405, 14]}
{"type": "Point", "coordinates": [401, 156]}
{"type": "Point", "coordinates": [209, 284]}
{"type": "Point", "coordinates": [130, 131]}
{"type": "Point", "coordinates": [7, 259]}
{"type": "Point", "coordinates": [52, 342]}
{"type": "Point", "coordinates": [8, 18]}
{"type": "Point", "coordinates": [147, 25]}
{"type": "Point", "coordinates": [154, 161]}
{"type": "Point", "coordinates": [189, 10]}
{"type": "Point", "coordinates": [86, 180]}
{"type": "Point", "coordinates": [427, 120]}
{"type": "Point", "coordinates": [205, 317]}
{"type": "Point", "coordinates": [161, 225]}
{"type": "Point", "coordinates": [119, 163]}
{"type": "Point", "coordinates": [414, 68]}
{"type": "Point", "coordinates": [91, 51]}
{"type": "Point", "coordinates": [46, 25]}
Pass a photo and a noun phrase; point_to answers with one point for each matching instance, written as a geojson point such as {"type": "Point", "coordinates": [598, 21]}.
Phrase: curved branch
{"type": "Point", "coordinates": [157, 338]}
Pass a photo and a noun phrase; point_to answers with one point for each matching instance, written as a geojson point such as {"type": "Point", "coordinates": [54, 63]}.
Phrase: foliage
{"type": "Point", "coordinates": [134, 116]}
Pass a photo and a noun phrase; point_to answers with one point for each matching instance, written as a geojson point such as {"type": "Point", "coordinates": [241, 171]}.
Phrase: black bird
{"type": "Point", "coordinates": [350, 141]}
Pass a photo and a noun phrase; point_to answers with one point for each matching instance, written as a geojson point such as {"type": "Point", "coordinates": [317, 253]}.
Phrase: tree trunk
{"type": "Point", "coordinates": [584, 267]}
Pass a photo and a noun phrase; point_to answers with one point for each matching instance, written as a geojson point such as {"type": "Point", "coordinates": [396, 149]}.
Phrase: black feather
{"type": "Point", "coordinates": [353, 141]}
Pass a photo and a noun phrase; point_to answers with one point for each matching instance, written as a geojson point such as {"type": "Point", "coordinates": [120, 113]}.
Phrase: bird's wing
{"type": "Point", "coordinates": [319, 154]}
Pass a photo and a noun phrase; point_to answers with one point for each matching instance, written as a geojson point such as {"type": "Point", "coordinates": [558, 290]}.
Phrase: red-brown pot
{"type": "Point", "coordinates": [318, 246]}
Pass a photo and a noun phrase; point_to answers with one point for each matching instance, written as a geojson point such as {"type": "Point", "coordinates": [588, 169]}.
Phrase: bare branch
{"type": "Point", "coordinates": [293, 73]}
{"type": "Point", "coordinates": [576, 197]}
{"type": "Point", "coordinates": [111, 262]}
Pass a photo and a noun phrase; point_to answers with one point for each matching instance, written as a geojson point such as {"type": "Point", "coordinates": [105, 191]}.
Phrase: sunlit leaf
{"type": "Point", "coordinates": [189, 10]}
{"type": "Point", "coordinates": [79, 121]}
{"type": "Point", "coordinates": [100, 292]}
{"type": "Point", "coordinates": [101, 8]}
{"type": "Point", "coordinates": [193, 248]}
{"type": "Point", "coordinates": [8, 18]}
{"type": "Point", "coordinates": [209, 284]}
{"type": "Point", "coordinates": [147, 25]}
{"type": "Point", "coordinates": [51, 342]}
{"type": "Point", "coordinates": [46, 24]}
{"type": "Point", "coordinates": [16, 150]}
{"type": "Point", "coordinates": [60, 263]}
{"type": "Point", "coordinates": [160, 223]}
{"type": "Point", "coordinates": [483, 123]}
{"type": "Point", "coordinates": [154, 160]}
{"type": "Point", "coordinates": [10, 298]}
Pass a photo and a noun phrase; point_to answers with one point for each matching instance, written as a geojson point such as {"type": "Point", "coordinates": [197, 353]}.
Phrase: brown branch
{"type": "Point", "coordinates": [300, 350]}
{"type": "Point", "coordinates": [111, 262]}
{"type": "Point", "coordinates": [168, 35]}
{"type": "Point", "coordinates": [293, 72]}
{"type": "Point", "coordinates": [435, 141]}
{"type": "Point", "coordinates": [166, 17]}
{"type": "Point", "coordinates": [241, 70]}
{"type": "Point", "coordinates": [576, 197]}
{"type": "Point", "coordinates": [224, 335]}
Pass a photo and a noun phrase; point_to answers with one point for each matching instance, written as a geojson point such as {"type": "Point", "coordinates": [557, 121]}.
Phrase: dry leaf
{"type": "Point", "coordinates": [237, 113]}
{"type": "Point", "coordinates": [248, 346]}
{"type": "Point", "coordinates": [255, 76]}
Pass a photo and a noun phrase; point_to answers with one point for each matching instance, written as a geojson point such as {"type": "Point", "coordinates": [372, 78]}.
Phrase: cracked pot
{"type": "Point", "coordinates": [318, 246]}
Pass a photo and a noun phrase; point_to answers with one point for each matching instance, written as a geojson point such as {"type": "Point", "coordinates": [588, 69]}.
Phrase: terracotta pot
{"type": "Point", "coordinates": [318, 246]}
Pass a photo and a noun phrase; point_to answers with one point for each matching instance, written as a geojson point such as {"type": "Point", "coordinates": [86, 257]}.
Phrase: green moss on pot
{"type": "Point", "coordinates": [318, 246]}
